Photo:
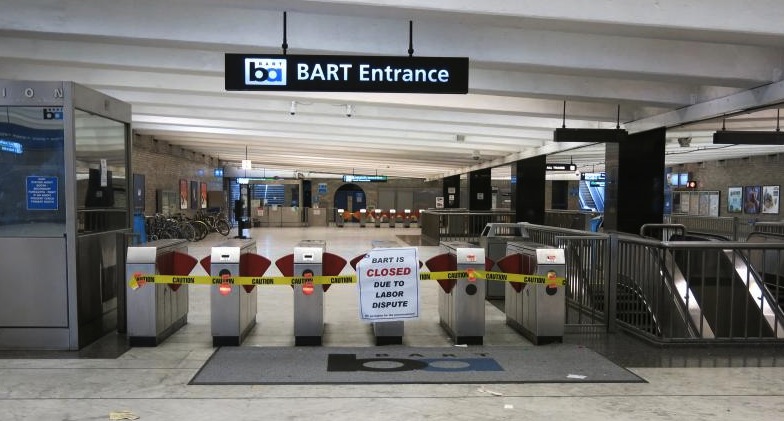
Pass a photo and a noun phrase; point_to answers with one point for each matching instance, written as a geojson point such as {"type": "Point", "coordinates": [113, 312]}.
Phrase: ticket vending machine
{"type": "Point", "coordinates": [233, 308]}
{"type": "Point", "coordinates": [156, 311]}
{"type": "Point", "coordinates": [309, 260]}
{"type": "Point", "coordinates": [536, 310]}
{"type": "Point", "coordinates": [461, 302]}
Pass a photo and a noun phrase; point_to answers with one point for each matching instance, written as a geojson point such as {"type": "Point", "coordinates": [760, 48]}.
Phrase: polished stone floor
{"type": "Point", "coordinates": [683, 383]}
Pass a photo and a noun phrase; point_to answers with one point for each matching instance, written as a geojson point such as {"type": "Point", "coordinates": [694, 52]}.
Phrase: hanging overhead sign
{"type": "Point", "coordinates": [560, 167]}
{"type": "Point", "coordinates": [312, 73]}
{"type": "Point", "coordinates": [364, 178]}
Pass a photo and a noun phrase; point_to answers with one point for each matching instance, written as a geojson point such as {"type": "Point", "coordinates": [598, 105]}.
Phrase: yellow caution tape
{"type": "Point", "coordinates": [138, 280]}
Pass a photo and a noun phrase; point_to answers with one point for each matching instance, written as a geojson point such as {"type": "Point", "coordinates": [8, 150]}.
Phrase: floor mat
{"type": "Point", "coordinates": [555, 363]}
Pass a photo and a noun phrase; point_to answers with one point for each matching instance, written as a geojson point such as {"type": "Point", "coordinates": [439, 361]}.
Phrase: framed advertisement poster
{"type": "Point", "coordinates": [203, 192]}
{"type": "Point", "coordinates": [770, 199]}
{"type": "Point", "coordinates": [751, 199]}
{"type": "Point", "coordinates": [183, 194]}
{"type": "Point", "coordinates": [195, 196]}
{"type": "Point", "coordinates": [735, 200]}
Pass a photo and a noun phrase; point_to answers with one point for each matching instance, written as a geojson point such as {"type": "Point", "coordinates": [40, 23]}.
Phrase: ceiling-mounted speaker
{"type": "Point", "coordinates": [737, 137]}
{"type": "Point", "coordinates": [590, 135]}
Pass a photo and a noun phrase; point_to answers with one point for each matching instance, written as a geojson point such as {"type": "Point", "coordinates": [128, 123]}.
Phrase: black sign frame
{"type": "Point", "coordinates": [344, 73]}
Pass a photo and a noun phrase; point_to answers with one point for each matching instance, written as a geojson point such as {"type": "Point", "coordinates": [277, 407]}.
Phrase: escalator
{"type": "Point", "coordinates": [653, 297]}
{"type": "Point", "coordinates": [730, 294]}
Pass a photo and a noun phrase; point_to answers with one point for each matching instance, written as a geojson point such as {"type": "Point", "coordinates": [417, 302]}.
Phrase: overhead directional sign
{"type": "Point", "coordinates": [313, 73]}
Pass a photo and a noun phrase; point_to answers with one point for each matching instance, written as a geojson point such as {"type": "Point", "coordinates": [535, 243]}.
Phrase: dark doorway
{"type": "Point", "coordinates": [351, 198]}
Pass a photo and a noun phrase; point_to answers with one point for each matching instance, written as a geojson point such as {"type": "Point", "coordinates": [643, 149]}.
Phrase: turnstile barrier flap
{"type": "Point", "coordinates": [519, 264]}
{"type": "Point", "coordinates": [252, 264]}
{"type": "Point", "coordinates": [443, 263]}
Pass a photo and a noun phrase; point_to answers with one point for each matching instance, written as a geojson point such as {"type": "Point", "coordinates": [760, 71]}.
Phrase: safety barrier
{"type": "Point", "coordinates": [139, 279]}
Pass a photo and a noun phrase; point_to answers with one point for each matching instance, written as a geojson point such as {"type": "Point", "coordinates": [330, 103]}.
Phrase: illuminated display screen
{"type": "Point", "coordinates": [12, 147]}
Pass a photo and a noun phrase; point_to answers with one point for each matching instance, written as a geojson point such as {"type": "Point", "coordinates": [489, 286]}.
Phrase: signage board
{"type": "Point", "coordinates": [388, 280]}
{"type": "Point", "coordinates": [42, 193]}
{"type": "Point", "coordinates": [343, 73]}
{"type": "Point", "coordinates": [560, 167]}
{"type": "Point", "coordinates": [364, 179]}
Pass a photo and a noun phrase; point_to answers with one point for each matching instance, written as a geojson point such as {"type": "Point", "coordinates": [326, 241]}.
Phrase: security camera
{"type": "Point", "coordinates": [349, 110]}
{"type": "Point", "coordinates": [476, 156]}
{"type": "Point", "coordinates": [293, 108]}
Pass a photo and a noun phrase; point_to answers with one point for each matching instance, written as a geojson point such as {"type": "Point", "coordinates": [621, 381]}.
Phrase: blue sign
{"type": "Point", "coordinates": [322, 187]}
{"type": "Point", "coordinates": [42, 193]}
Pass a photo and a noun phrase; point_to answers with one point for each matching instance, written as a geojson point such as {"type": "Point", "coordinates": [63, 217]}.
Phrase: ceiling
{"type": "Point", "coordinates": [653, 63]}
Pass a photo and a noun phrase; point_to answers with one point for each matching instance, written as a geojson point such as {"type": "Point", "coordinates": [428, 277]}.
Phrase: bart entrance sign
{"type": "Point", "coordinates": [430, 75]}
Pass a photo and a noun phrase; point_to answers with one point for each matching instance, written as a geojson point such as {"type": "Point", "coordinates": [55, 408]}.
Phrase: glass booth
{"type": "Point", "coordinates": [65, 217]}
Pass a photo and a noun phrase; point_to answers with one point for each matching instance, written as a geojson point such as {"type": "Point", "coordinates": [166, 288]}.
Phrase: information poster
{"type": "Point", "coordinates": [388, 282]}
{"type": "Point", "coordinates": [751, 199]}
{"type": "Point", "coordinates": [770, 199]}
{"type": "Point", "coordinates": [42, 193]}
{"type": "Point", "coordinates": [735, 200]}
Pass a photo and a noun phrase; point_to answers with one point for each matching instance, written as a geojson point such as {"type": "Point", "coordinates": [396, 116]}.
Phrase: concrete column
{"type": "Point", "coordinates": [529, 189]}
{"type": "Point", "coordinates": [634, 188]}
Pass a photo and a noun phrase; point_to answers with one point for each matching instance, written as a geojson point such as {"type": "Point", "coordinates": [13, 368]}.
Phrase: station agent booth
{"type": "Point", "coordinates": [65, 214]}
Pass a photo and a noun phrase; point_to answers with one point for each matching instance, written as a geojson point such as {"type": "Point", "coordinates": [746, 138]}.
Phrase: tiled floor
{"type": "Point", "coordinates": [721, 383]}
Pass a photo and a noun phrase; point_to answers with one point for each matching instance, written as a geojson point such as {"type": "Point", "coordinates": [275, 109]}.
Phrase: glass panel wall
{"type": "Point", "coordinates": [32, 172]}
{"type": "Point", "coordinates": [100, 153]}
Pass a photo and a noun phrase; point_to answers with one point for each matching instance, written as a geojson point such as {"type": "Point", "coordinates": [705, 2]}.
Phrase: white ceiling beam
{"type": "Point", "coordinates": [259, 30]}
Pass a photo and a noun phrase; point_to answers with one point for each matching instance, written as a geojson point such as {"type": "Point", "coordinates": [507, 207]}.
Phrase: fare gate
{"type": "Point", "coordinates": [362, 217]}
{"type": "Point", "coordinates": [156, 312]}
{"type": "Point", "coordinates": [385, 333]}
{"type": "Point", "coordinates": [537, 310]}
{"type": "Point", "coordinates": [461, 302]}
{"type": "Point", "coordinates": [493, 239]}
{"type": "Point", "coordinates": [308, 260]}
{"type": "Point", "coordinates": [233, 308]}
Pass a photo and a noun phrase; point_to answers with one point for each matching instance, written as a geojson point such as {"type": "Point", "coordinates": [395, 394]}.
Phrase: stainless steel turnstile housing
{"type": "Point", "coordinates": [233, 315]}
{"type": "Point", "coordinates": [154, 311]}
{"type": "Point", "coordinates": [538, 311]}
{"type": "Point", "coordinates": [462, 310]}
{"type": "Point", "coordinates": [493, 239]}
{"type": "Point", "coordinates": [308, 308]}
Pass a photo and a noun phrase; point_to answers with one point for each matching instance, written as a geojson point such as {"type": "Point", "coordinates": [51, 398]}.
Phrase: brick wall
{"type": "Point", "coordinates": [762, 170]}
{"type": "Point", "coordinates": [164, 165]}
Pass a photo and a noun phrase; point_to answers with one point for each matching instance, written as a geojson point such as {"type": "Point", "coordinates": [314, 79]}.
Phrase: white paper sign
{"type": "Point", "coordinates": [388, 281]}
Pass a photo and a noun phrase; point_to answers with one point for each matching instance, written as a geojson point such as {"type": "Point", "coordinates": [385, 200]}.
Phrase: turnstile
{"type": "Point", "coordinates": [537, 310]}
{"type": "Point", "coordinates": [406, 218]}
{"type": "Point", "coordinates": [461, 303]}
{"type": "Point", "coordinates": [377, 218]}
{"type": "Point", "coordinates": [493, 239]}
{"type": "Point", "coordinates": [308, 260]}
{"type": "Point", "coordinates": [392, 218]}
{"type": "Point", "coordinates": [233, 308]}
{"type": "Point", "coordinates": [339, 218]}
{"type": "Point", "coordinates": [156, 311]}
{"type": "Point", "coordinates": [385, 333]}
{"type": "Point", "coordinates": [362, 217]}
